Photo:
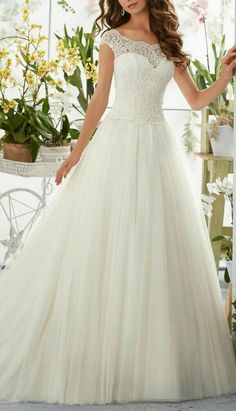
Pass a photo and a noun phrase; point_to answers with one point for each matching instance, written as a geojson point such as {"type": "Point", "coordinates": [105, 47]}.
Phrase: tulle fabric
{"type": "Point", "coordinates": [115, 296]}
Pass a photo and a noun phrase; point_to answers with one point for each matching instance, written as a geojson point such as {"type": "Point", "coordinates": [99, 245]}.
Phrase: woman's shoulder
{"type": "Point", "coordinates": [108, 37]}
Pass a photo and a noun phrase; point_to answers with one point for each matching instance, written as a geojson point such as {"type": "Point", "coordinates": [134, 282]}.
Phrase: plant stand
{"type": "Point", "coordinates": [212, 168]}
{"type": "Point", "coordinates": [22, 214]}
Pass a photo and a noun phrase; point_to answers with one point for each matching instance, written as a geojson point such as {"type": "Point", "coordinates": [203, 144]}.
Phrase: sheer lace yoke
{"type": "Point", "coordinates": [141, 75]}
{"type": "Point", "coordinates": [121, 44]}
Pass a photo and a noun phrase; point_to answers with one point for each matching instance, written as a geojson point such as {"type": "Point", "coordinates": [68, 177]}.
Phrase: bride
{"type": "Point", "coordinates": [115, 295]}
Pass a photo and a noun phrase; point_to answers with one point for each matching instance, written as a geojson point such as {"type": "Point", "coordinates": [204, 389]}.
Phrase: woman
{"type": "Point", "coordinates": [115, 298]}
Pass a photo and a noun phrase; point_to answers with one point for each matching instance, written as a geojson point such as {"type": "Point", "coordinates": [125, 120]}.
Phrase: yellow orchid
{"type": "Point", "coordinates": [55, 83]}
{"type": "Point", "coordinates": [34, 26]}
{"type": "Point", "coordinates": [30, 78]}
{"type": "Point", "coordinates": [25, 13]}
{"type": "Point", "coordinates": [90, 70]}
{"type": "Point", "coordinates": [42, 38]}
{"type": "Point", "coordinates": [3, 53]}
{"type": "Point", "coordinates": [7, 105]}
{"type": "Point", "coordinates": [32, 57]}
{"type": "Point", "coordinates": [53, 65]}
{"type": "Point", "coordinates": [43, 68]}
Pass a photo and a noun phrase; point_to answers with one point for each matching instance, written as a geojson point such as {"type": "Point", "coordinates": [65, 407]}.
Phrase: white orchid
{"type": "Point", "coordinates": [225, 186]}
{"type": "Point", "coordinates": [61, 102]}
{"type": "Point", "coordinates": [218, 187]}
{"type": "Point", "coordinates": [207, 204]}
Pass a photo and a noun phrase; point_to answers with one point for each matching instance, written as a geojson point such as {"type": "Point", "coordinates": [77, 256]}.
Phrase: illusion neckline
{"type": "Point", "coordinates": [136, 41]}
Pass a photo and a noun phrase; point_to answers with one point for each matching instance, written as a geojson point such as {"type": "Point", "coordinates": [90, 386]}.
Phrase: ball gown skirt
{"type": "Point", "coordinates": [114, 296]}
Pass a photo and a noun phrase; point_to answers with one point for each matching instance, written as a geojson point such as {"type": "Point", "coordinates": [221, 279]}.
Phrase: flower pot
{"type": "Point", "coordinates": [52, 154]}
{"type": "Point", "coordinates": [229, 265]}
{"type": "Point", "coordinates": [17, 152]}
{"type": "Point", "coordinates": [223, 145]}
{"type": "Point", "coordinates": [73, 143]}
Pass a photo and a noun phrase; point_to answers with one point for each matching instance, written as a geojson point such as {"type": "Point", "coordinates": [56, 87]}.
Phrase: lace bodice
{"type": "Point", "coordinates": [142, 73]}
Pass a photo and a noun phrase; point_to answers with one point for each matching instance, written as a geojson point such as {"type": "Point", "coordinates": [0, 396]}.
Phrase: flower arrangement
{"type": "Point", "coordinates": [31, 85]}
{"type": "Point", "coordinates": [199, 15]}
{"type": "Point", "coordinates": [84, 77]}
{"type": "Point", "coordinates": [204, 77]}
{"type": "Point", "coordinates": [224, 187]}
{"type": "Point", "coordinates": [218, 187]}
{"type": "Point", "coordinates": [223, 119]}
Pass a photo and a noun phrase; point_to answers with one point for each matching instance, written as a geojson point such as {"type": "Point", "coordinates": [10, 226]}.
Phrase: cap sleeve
{"type": "Point", "coordinates": [109, 38]}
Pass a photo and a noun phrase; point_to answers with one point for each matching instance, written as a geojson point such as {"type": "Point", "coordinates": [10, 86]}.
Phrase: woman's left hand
{"type": "Point", "coordinates": [228, 63]}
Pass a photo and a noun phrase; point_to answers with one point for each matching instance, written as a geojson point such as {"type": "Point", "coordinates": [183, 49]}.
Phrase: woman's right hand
{"type": "Point", "coordinates": [66, 166]}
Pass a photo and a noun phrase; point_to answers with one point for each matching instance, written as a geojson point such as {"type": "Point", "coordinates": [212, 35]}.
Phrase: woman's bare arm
{"type": "Point", "coordinates": [198, 99]}
{"type": "Point", "coordinates": [95, 109]}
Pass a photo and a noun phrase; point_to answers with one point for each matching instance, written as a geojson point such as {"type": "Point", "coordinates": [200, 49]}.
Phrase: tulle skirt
{"type": "Point", "coordinates": [115, 295]}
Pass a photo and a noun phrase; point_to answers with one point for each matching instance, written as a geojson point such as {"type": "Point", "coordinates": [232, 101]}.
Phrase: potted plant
{"type": "Point", "coordinates": [228, 250]}
{"type": "Point", "coordinates": [221, 118]}
{"type": "Point", "coordinates": [20, 141]}
{"type": "Point", "coordinates": [221, 134]}
{"type": "Point", "coordinates": [228, 275]}
{"type": "Point", "coordinates": [22, 78]}
{"type": "Point", "coordinates": [203, 76]}
{"type": "Point", "coordinates": [224, 187]}
{"type": "Point", "coordinates": [34, 79]}
{"type": "Point", "coordinates": [53, 125]}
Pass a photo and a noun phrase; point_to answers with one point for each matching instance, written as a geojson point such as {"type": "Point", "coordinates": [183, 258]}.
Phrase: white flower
{"type": "Point", "coordinates": [207, 204]}
{"type": "Point", "coordinates": [213, 188]}
{"type": "Point", "coordinates": [208, 199]}
{"type": "Point", "coordinates": [207, 209]}
{"type": "Point", "coordinates": [61, 102]}
{"type": "Point", "coordinates": [71, 91]}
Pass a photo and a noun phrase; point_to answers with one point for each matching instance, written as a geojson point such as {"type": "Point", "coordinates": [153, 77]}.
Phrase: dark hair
{"type": "Point", "coordinates": [163, 21]}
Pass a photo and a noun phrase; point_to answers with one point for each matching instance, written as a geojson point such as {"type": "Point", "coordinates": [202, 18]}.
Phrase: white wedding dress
{"type": "Point", "coordinates": [115, 295]}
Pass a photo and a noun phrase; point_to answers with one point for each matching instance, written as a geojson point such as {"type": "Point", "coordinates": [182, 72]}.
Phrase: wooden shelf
{"type": "Point", "coordinates": [210, 156]}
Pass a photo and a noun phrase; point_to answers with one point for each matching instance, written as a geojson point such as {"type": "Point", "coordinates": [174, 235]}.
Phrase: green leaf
{"type": "Point", "coordinates": [24, 56]}
{"type": "Point", "coordinates": [75, 79]}
{"type": "Point", "coordinates": [40, 102]}
{"type": "Point", "coordinates": [203, 71]}
{"type": "Point", "coordinates": [218, 238]}
{"type": "Point", "coordinates": [65, 126]}
{"type": "Point", "coordinates": [45, 107]}
{"type": "Point", "coordinates": [226, 276]}
{"type": "Point", "coordinates": [201, 82]}
{"type": "Point", "coordinates": [74, 133]}
{"type": "Point", "coordinates": [17, 121]}
{"type": "Point", "coordinates": [214, 50]}
{"type": "Point", "coordinates": [34, 148]}
{"type": "Point", "coordinates": [20, 136]}
{"type": "Point", "coordinates": [4, 125]}
{"type": "Point", "coordinates": [46, 122]}
{"type": "Point", "coordinates": [222, 47]}
{"type": "Point", "coordinates": [82, 101]}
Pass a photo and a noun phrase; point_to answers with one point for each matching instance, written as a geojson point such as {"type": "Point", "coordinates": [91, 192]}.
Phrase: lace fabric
{"type": "Point", "coordinates": [141, 74]}
{"type": "Point", "coordinates": [121, 45]}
